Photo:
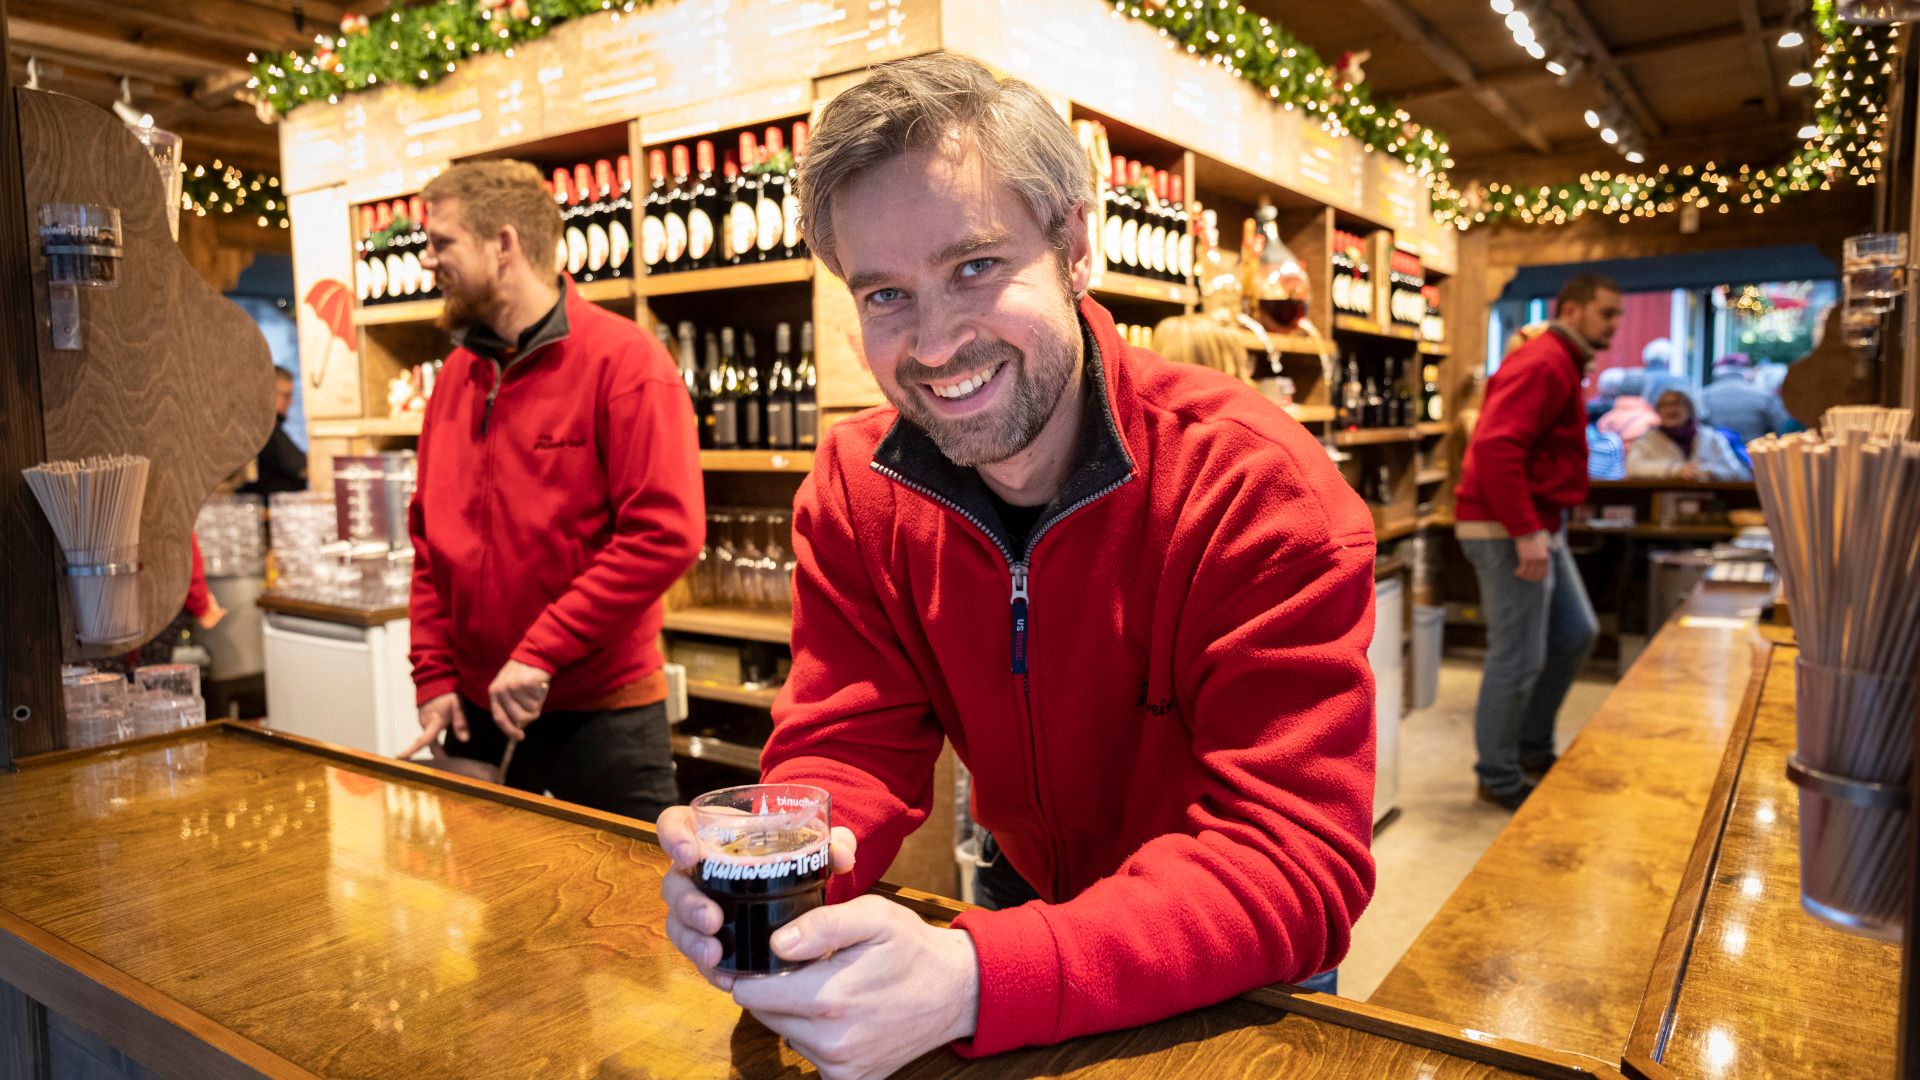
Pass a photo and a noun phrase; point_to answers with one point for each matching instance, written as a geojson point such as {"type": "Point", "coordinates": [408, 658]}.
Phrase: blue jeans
{"type": "Point", "coordinates": [1538, 635]}
{"type": "Point", "coordinates": [997, 885]}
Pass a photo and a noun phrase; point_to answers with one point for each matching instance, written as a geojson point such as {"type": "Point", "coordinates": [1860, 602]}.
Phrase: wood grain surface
{"type": "Point", "coordinates": [311, 910]}
{"type": "Point", "coordinates": [1550, 938]}
{"type": "Point", "coordinates": [1769, 990]}
{"type": "Point", "coordinates": [170, 369]}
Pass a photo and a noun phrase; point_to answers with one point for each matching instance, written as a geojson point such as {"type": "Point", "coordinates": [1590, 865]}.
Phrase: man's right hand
{"type": "Point", "coordinates": [1534, 551]}
{"type": "Point", "coordinates": [436, 716]}
{"type": "Point", "coordinates": [692, 917]}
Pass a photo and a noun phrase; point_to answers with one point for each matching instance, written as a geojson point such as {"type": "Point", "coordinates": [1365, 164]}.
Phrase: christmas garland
{"type": "Point", "coordinates": [220, 188]}
{"type": "Point", "coordinates": [420, 45]}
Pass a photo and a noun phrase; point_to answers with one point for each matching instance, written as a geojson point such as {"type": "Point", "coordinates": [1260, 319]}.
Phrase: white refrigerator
{"type": "Point", "coordinates": [340, 683]}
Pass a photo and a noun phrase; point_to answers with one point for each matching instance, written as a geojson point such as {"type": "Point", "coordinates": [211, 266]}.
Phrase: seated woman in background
{"type": "Point", "coordinates": [1203, 340]}
{"type": "Point", "coordinates": [1682, 447]}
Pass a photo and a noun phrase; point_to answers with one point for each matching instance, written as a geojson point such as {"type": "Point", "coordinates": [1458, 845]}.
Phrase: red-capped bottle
{"type": "Point", "coordinates": [679, 204]}
{"type": "Point", "coordinates": [1116, 214]}
{"type": "Point", "coordinates": [703, 209]}
{"type": "Point", "coordinates": [563, 196]}
{"type": "Point", "coordinates": [743, 226]}
{"type": "Point", "coordinates": [793, 239]}
{"type": "Point", "coordinates": [580, 201]}
{"type": "Point", "coordinates": [768, 209]}
{"type": "Point", "coordinates": [653, 227]}
{"type": "Point", "coordinates": [620, 220]}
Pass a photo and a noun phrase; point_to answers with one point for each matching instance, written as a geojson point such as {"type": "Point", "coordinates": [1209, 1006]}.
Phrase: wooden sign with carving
{"type": "Point", "coordinates": [170, 369]}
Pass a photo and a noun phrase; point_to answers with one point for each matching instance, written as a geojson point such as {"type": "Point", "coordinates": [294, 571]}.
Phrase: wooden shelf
{"type": "Point", "coordinates": [1143, 288]}
{"type": "Point", "coordinates": [1353, 324]}
{"type": "Point", "coordinates": [761, 698]}
{"type": "Point", "coordinates": [719, 751]}
{"type": "Point", "coordinates": [1659, 532]}
{"type": "Point", "coordinates": [1439, 519]}
{"type": "Point", "coordinates": [1430, 476]}
{"type": "Point", "coordinates": [729, 623]}
{"type": "Point", "coordinates": [770, 461]}
{"type": "Point", "coordinates": [1400, 531]}
{"type": "Point", "coordinates": [1429, 428]}
{"type": "Point", "coordinates": [613, 291]}
{"type": "Point", "coordinates": [1435, 348]}
{"type": "Point", "coordinates": [1285, 344]}
{"type": "Point", "coordinates": [1375, 436]}
{"type": "Point", "coordinates": [1312, 414]}
{"type": "Point", "coordinates": [721, 278]}
{"type": "Point", "coordinates": [406, 424]}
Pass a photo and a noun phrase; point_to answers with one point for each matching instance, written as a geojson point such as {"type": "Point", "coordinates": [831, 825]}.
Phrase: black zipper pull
{"type": "Point", "coordinates": [499, 374]}
{"type": "Point", "coordinates": [1019, 618]}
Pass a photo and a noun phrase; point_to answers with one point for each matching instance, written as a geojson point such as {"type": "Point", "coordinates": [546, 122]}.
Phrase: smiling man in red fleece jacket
{"type": "Point", "coordinates": [1135, 596]}
{"type": "Point", "coordinates": [559, 498]}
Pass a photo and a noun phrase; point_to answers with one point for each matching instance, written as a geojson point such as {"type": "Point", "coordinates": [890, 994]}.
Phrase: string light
{"type": "Point", "coordinates": [219, 188]}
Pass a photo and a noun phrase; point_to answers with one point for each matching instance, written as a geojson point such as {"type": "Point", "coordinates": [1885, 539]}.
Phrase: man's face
{"type": "Point", "coordinates": [282, 395]}
{"type": "Point", "coordinates": [465, 267]}
{"type": "Point", "coordinates": [968, 314]}
{"type": "Point", "coordinates": [1597, 320]}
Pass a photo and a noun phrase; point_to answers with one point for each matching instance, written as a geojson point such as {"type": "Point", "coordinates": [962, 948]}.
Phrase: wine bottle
{"type": "Point", "coordinates": [579, 201]}
{"type": "Point", "coordinates": [753, 403]}
{"type": "Point", "coordinates": [1430, 390]}
{"type": "Point", "coordinates": [377, 254]}
{"type": "Point", "coordinates": [1373, 409]}
{"type": "Point", "coordinates": [773, 190]}
{"type": "Point", "coordinates": [1153, 230]}
{"type": "Point", "coordinates": [795, 237]}
{"type": "Point", "coordinates": [743, 226]}
{"type": "Point", "coordinates": [780, 386]}
{"type": "Point", "coordinates": [1113, 215]}
{"type": "Point", "coordinates": [620, 221]}
{"type": "Point", "coordinates": [397, 285]}
{"type": "Point", "coordinates": [362, 251]}
{"type": "Point", "coordinates": [726, 397]}
{"type": "Point", "coordinates": [653, 227]}
{"type": "Point", "coordinates": [1342, 284]}
{"type": "Point", "coordinates": [417, 210]}
{"type": "Point", "coordinates": [697, 389]}
{"type": "Point", "coordinates": [679, 204]}
{"type": "Point", "coordinates": [599, 210]}
{"type": "Point", "coordinates": [558, 189]}
{"type": "Point", "coordinates": [806, 401]}
{"type": "Point", "coordinates": [702, 252]}
{"type": "Point", "coordinates": [1182, 233]}
{"type": "Point", "coordinates": [1353, 399]}
{"type": "Point", "coordinates": [1130, 227]}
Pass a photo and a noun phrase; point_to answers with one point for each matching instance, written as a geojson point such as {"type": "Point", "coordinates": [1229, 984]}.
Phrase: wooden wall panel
{"type": "Point", "coordinates": [170, 369]}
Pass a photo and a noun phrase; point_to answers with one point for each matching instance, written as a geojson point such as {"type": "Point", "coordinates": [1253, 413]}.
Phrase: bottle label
{"type": "Point", "coordinates": [396, 275]}
{"type": "Point", "coordinates": [1110, 240]}
{"type": "Point", "coordinates": [726, 424]}
{"type": "Point", "coordinates": [741, 228]}
{"type": "Point", "coordinates": [1342, 291]}
{"type": "Point", "coordinates": [1172, 256]}
{"type": "Point", "coordinates": [411, 274]}
{"type": "Point", "coordinates": [699, 234]}
{"type": "Point", "coordinates": [1156, 254]}
{"type": "Point", "coordinates": [1186, 255]}
{"type": "Point", "coordinates": [576, 250]}
{"type": "Point", "coordinates": [806, 423]}
{"type": "Point", "coordinates": [599, 247]}
{"type": "Point", "coordinates": [770, 224]}
{"type": "Point", "coordinates": [620, 246]}
{"type": "Point", "coordinates": [676, 238]}
{"type": "Point", "coordinates": [362, 279]}
{"type": "Point", "coordinates": [779, 424]}
{"type": "Point", "coordinates": [1130, 243]}
{"type": "Point", "coordinates": [653, 240]}
{"type": "Point", "coordinates": [376, 277]}
{"type": "Point", "coordinates": [790, 218]}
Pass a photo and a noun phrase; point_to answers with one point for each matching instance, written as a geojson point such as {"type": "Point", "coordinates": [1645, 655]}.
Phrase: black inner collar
{"type": "Point", "coordinates": [482, 340]}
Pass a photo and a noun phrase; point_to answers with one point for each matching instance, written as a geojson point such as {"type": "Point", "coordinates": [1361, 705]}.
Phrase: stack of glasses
{"type": "Point", "coordinates": [96, 707]}
{"type": "Point", "coordinates": [166, 698]}
{"type": "Point", "coordinates": [311, 563]}
{"type": "Point", "coordinates": [231, 541]}
{"type": "Point", "coordinates": [747, 562]}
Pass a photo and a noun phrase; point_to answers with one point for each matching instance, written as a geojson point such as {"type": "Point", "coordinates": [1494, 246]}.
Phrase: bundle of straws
{"type": "Point", "coordinates": [94, 506]}
{"type": "Point", "coordinates": [1844, 510]}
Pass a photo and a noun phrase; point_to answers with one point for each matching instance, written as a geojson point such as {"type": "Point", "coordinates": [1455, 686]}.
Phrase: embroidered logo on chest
{"type": "Point", "coordinates": [558, 442]}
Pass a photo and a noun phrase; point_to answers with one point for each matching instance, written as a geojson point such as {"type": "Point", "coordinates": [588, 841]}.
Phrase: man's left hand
{"type": "Point", "coordinates": [517, 695]}
{"type": "Point", "coordinates": [884, 988]}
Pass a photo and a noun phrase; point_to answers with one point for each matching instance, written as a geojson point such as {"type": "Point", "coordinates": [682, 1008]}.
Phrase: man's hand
{"type": "Point", "coordinates": [517, 695]}
{"type": "Point", "coordinates": [693, 918]}
{"type": "Point", "coordinates": [211, 617]}
{"type": "Point", "coordinates": [1534, 551]}
{"type": "Point", "coordinates": [1690, 471]}
{"type": "Point", "coordinates": [436, 716]}
{"type": "Point", "coordinates": [884, 988]}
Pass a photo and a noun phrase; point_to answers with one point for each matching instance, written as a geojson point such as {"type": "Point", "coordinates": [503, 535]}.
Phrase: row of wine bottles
{"type": "Point", "coordinates": [1378, 392]}
{"type": "Point", "coordinates": [389, 237]}
{"type": "Point", "coordinates": [745, 212]}
{"type": "Point", "coordinates": [1145, 226]}
{"type": "Point", "coordinates": [1352, 286]}
{"type": "Point", "coordinates": [1406, 285]}
{"type": "Point", "coordinates": [740, 407]}
{"type": "Point", "coordinates": [596, 238]}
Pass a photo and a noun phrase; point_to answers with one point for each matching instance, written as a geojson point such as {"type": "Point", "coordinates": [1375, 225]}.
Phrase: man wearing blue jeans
{"type": "Point", "coordinates": [1526, 466]}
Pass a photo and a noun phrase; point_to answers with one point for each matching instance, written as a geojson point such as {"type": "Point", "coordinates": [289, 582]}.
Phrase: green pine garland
{"type": "Point", "coordinates": [421, 44]}
{"type": "Point", "coordinates": [220, 188]}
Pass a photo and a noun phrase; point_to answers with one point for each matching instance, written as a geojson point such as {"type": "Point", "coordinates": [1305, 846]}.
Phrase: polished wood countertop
{"type": "Point", "coordinates": [230, 902]}
{"type": "Point", "coordinates": [1550, 939]}
{"type": "Point", "coordinates": [346, 614]}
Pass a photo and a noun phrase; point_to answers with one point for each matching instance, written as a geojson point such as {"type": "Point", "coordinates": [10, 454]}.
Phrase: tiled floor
{"type": "Point", "coordinates": [1442, 830]}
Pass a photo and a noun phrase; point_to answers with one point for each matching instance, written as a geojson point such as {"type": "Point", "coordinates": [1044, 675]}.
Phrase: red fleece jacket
{"type": "Point", "coordinates": [1184, 770]}
{"type": "Point", "coordinates": [547, 529]}
{"type": "Point", "coordinates": [1527, 462]}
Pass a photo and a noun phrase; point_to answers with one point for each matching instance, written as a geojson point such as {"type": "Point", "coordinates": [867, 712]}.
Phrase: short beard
{"type": "Point", "coordinates": [467, 307]}
{"type": "Point", "coordinates": [1038, 381]}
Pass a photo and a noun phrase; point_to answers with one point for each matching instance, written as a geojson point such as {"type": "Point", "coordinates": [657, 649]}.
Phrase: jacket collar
{"type": "Point", "coordinates": [908, 455]}
{"type": "Point", "coordinates": [481, 340]}
{"type": "Point", "coordinates": [1582, 350]}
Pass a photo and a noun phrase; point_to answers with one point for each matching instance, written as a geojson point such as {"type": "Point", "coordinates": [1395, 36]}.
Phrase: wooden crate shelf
{"type": "Point", "coordinates": [758, 698]}
{"type": "Point", "coordinates": [1659, 532]}
{"type": "Point", "coordinates": [719, 751]}
{"type": "Point", "coordinates": [614, 291]}
{"type": "Point", "coordinates": [730, 623]}
{"type": "Point", "coordinates": [721, 278]}
{"type": "Point", "coordinates": [406, 424]}
{"type": "Point", "coordinates": [1353, 324]}
{"type": "Point", "coordinates": [1435, 348]}
{"type": "Point", "coordinates": [1312, 414]}
{"type": "Point", "coordinates": [1430, 476]}
{"type": "Point", "coordinates": [767, 461]}
{"type": "Point", "coordinates": [1143, 288]}
{"type": "Point", "coordinates": [1375, 436]}
{"type": "Point", "coordinates": [1430, 428]}
{"type": "Point", "coordinates": [1288, 344]}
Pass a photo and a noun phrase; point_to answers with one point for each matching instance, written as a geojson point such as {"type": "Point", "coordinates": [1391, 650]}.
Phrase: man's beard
{"type": "Point", "coordinates": [1035, 384]}
{"type": "Point", "coordinates": [468, 305]}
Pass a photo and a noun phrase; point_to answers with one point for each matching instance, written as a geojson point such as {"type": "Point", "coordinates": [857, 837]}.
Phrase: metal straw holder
{"type": "Point", "coordinates": [1852, 766]}
{"type": "Point", "coordinates": [106, 596]}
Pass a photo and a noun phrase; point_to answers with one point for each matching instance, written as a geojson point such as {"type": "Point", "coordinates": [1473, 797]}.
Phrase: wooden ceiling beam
{"type": "Point", "coordinates": [1416, 28]}
{"type": "Point", "coordinates": [1601, 62]}
{"type": "Point", "coordinates": [1762, 55]}
{"type": "Point", "coordinates": [230, 26]}
{"type": "Point", "coordinates": [29, 38]}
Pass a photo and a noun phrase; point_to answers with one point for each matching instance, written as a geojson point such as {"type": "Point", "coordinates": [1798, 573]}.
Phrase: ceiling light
{"type": "Point", "coordinates": [1791, 39]}
{"type": "Point", "coordinates": [1536, 50]}
{"type": "Point", "coordinates": [1609, 136]}
{"type": "Point", "coordinates": [1636, 157]}
{"type": "Point", "coordinates": [1503, 7]}
{"type": "Point", "coordinates": [1556, 67]}
{"type": "Point", "coordinates": [1517, 21]}
{"type": "Point", "coordinates": [1811, 131]}
{"type": "Point", "coordinates": [1801, 78]}
{"type": "Point", "coordinates": [1593, 119]}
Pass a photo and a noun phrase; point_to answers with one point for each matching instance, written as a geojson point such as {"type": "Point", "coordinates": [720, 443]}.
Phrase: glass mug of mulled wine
{"type": "Point", "coordinates": [764, 859]}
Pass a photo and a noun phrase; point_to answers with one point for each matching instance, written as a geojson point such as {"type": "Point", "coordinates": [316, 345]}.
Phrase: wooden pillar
{"type": "Point", "coordinates": [29, 607]}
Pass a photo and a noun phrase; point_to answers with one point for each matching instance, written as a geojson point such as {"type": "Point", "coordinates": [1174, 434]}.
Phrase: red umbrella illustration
{"type": "Point", "coordinates": [331, 303]}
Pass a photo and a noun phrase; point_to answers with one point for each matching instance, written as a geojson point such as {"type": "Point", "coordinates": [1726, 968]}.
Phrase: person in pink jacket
{"type": "Point", "coordinates": [1134, 595]}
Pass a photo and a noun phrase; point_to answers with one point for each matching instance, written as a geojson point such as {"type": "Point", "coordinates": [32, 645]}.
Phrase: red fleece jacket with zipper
{"type": "Point", "coordinates": [1526, 464]}
{"type": "Point", "coordinates": [1178, 750]}
{"type": "Point", "coordinates": [548, 524]}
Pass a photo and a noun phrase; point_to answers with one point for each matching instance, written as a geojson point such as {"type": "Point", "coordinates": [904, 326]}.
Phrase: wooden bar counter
{"type": "Point", "coordinates": [226, 902]}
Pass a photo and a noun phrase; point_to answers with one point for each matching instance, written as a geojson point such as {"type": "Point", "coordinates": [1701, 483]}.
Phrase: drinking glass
{"type": "Point", "coordinates": [764, 858]}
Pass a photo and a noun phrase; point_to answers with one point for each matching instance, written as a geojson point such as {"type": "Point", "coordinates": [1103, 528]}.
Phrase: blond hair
{"type": "Point", "coordinates": [495, 194]}
{"type": "Point", "coordinates": [915, 103]}
{"type": "Point", "coordinates": [1202, 340]}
